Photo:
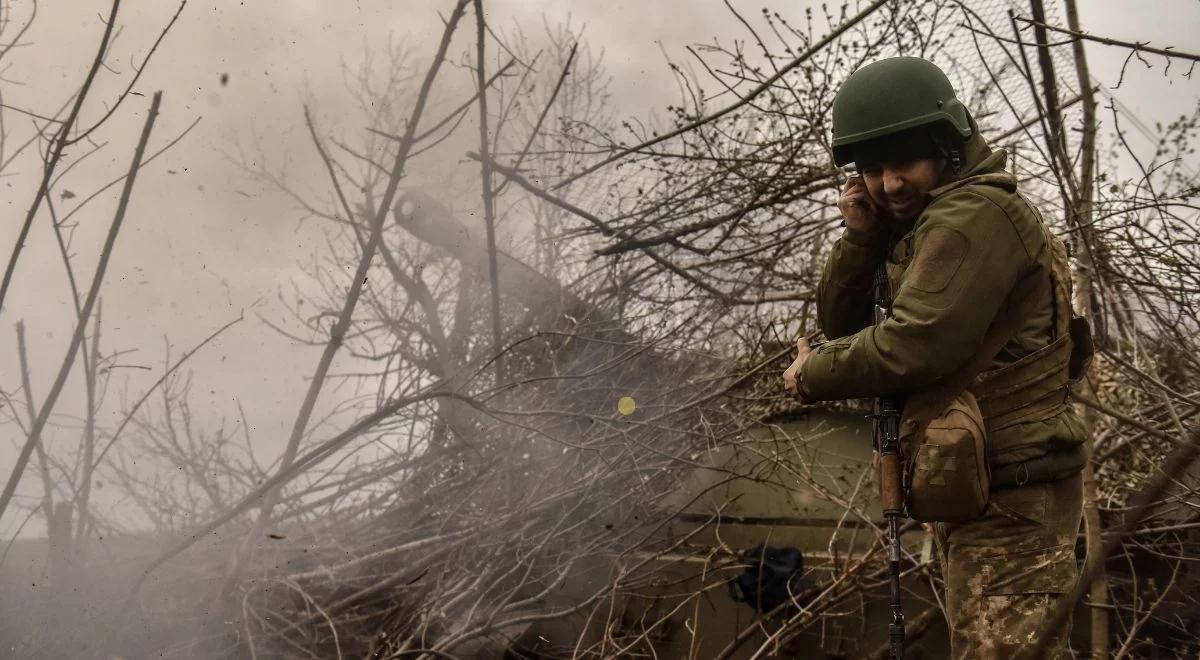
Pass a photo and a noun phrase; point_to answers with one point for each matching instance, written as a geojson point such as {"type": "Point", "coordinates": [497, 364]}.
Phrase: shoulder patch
{"type": "Point", "coordinates": [938, 258]}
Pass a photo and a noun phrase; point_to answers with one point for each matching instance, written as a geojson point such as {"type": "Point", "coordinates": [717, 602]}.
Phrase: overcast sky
{"type": "Point", "coordinates": [202, 242]}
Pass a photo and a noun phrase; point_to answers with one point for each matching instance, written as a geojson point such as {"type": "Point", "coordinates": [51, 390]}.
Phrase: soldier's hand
{"type": "Point", "coordinates": [856, 206]}
{"type": "Point", "coordinates": [791, 375]}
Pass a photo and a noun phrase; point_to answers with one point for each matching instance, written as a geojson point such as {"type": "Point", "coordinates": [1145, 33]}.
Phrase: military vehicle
{"type": "Point", "coordinates": [802, 480]}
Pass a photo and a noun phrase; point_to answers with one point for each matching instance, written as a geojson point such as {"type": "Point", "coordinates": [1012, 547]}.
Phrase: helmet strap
{"type": "Point", "coordinates": [951, 150]}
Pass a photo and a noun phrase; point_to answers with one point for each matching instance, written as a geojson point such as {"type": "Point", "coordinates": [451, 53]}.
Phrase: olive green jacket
{"type": "Point", "coordinates": [951, 273]}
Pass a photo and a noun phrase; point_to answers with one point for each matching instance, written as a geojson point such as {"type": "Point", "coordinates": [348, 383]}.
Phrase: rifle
{"type": "Point", "coordinates": [891, 494]}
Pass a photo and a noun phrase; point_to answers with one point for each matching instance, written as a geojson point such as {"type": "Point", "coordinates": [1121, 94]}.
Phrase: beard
{"type": "Point", "coordinates": [908, 209]}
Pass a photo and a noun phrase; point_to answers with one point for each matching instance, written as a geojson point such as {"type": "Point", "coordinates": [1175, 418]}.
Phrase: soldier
{"type": "Point", "coordinates": [936, 206]}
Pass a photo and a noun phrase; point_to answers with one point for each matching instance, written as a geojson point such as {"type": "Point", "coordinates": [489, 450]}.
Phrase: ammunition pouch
{"type": "Point", "coordinates": [946, 475]}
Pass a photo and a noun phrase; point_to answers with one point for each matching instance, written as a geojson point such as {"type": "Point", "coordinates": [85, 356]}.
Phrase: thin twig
{"type": "Point", "coordinates": [750, 96]}
{"type": "Point", "coordinates": [61, 139]}
{"type": "Point", "coordinates": [1173, 466]}
{"type": "Point", "coordinates": [1139, 46]}
{"type": "Point", "coordinates": [485, 174]}
{"type": "Point", "coordinates": [81, 326]}
{"type": "Point", "coordinates": [342, 325]}
{"type": "Point", "coordinates": [158, 383]}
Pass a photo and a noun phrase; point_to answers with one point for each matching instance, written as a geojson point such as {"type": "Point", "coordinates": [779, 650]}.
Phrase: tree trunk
{"type": "Point", "coordinates": [1085, 255]}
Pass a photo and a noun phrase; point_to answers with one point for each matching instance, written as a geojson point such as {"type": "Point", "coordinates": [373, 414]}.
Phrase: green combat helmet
{"type": "Point", "coordinates": [890, 96]}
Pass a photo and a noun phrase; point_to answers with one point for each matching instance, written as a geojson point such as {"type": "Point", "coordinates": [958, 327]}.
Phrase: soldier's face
{"type": "Point", "coordinates": [902, 186]}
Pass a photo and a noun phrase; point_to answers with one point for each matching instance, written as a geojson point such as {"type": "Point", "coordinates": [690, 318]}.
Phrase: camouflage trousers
{"type": "Point", "coordinates": [1007, 570]}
